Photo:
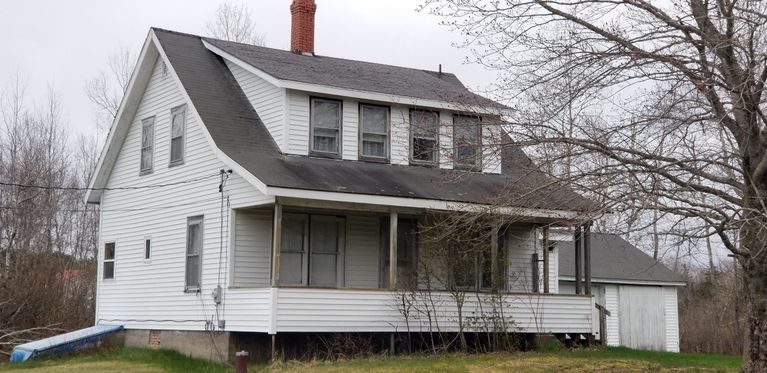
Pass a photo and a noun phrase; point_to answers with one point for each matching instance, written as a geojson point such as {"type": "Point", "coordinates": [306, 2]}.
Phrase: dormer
{"type": "Point", "coordinates": [327, 107]}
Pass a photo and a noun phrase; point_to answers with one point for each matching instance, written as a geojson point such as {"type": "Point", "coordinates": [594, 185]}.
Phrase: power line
{"type": "Point", "coordinates": [110, 210]}
{"type": "Point", "coordinates": [150, 186]}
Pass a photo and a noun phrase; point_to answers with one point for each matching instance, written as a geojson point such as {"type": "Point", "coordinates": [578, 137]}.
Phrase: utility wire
{"type": "Point", "coordinates": [113, 188]}
{"type": "Point", "coordinates": [111, 210]}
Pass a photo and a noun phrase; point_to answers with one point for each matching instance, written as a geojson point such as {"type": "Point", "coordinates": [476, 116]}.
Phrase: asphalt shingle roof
{"type": "Point", "coordinates": [238, 131]}
{"type": "Point", "coordinates": [613, 258]}
{"type": "Point", "coordinates": [354, 75]}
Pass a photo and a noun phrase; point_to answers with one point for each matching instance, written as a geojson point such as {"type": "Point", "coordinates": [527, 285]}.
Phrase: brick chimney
{"type": "Point", "coordinates": [302, 26]}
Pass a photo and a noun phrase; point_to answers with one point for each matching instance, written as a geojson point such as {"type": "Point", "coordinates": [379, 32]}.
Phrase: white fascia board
{"type": "Point", "coordinates": [428, 204]}
{"type": "Point", "coordinates": [626, 282]}
{"type": "Point", "coordinates": [219, 154]}
{"type": "Point", "coordinates": [123, 114]}
{"type": "Point", "coordinates": [350, 93]}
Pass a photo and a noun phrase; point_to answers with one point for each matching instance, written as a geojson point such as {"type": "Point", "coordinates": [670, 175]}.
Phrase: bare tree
{"type": "Point", "coordinates": [47, 233]}
{"type": "Point", "coordinates": [686, 78]}
{"type": "Point", "coordinates": [233, 21]}
{"type": "Point", "coordinates": [105, 91]}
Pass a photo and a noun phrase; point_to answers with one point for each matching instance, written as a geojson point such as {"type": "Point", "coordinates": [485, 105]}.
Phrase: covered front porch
{"type": "Point", "coordinates": [311, 266]}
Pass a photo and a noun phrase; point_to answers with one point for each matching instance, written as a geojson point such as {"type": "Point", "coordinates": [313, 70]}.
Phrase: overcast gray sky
{"type": "Point", "coordinates": [65, 43]}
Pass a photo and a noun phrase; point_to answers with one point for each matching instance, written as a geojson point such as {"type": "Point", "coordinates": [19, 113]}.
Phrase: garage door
{"type": "Point", "coordinates": [642, 317]}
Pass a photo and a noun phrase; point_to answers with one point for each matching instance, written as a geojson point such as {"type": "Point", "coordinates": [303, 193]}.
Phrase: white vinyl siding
{"type": "Point", "coordinates": [492, 145]}
{"type": "Point", "coordinates": [613, 321]}
{"type": "Point", "coordinates": [331, 310]}
{"type": "Point", "coordinates": [671, 307]}
{"type": "Point", "coordinates": [252, 248]}
{"type": "Point", "coordinates": [142, 294]}
{"type": "Point", "coordinates": [298, 123]}
{"type": "Point", "coordinates": [267, 100]}
{"type": "Point", "coordinates": [400, 135]}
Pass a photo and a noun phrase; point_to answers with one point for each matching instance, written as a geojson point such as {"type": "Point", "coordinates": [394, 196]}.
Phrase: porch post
{"type": "Point", "coordinates": [546, 260]}
{"type": "Point", "coordinates": [393, 250]}
{"type": "Point", "coordinates": [276, 243]}
{"type": "Point", "coordinates": [587, 256]}
{"type": "Point", "coordinates": [578, 257]}
{"type": "Point", "coordinates": [494, 256]}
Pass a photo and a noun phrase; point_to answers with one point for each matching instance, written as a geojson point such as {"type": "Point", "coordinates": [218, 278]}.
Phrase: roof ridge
{"type": "Point", "coordinates": [208, 38]}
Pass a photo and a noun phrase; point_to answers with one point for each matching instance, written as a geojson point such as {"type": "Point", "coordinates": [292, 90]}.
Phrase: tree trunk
{"type": "Point", "coordinates": [755, 352]}
{"type": "Point", "coordinates": [754, 241]}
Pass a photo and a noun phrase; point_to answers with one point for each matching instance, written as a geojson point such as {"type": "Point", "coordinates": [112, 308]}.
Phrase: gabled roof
{"type": "Point", "coordinates": [354, 75]}
{"type": "Point", "coordinates": [242, 140]}
{"type": "Point", "coordinates": [615, 259]}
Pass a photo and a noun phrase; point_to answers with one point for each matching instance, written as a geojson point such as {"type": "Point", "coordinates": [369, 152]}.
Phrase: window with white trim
{"type": "Point", "coordinates": [177, 134]}
{"type": "Point", "coordinates": [311, 250]}
{"type": "Point", "coordinates": [147, 145]}
{"type": "Point", "coordinates": [424, 126]}
{"type": "Point", "coordinates": [193, 253]}
{"type": "Point", "coordinates": [374, 132]}
{"type": "Point", "coordinates": [467, 143]}
{"type": "Point", "coordinates": [109, 261]}
{"type": "Point", "coordinates": [325, 127]}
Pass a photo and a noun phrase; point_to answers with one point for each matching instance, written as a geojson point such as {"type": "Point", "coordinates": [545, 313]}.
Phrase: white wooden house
{"type": "Point", "coordinates": [639, 292]}
{"type": "Point", "coordinates": [252, 191]}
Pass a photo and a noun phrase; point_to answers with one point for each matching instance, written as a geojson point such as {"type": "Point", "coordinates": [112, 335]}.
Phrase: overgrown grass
{"type": "Point", "coordinates": [582, 360]}
{"type": "Point", "coordinates": [118, 360]}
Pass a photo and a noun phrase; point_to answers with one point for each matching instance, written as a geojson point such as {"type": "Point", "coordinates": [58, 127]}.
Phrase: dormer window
{"type": "Point", "coordinates": [424, 126]}
{"type": "Point", "coordinates": [374, 132]}
{"type": "Point", "coordinates": [325, 127]}
{"type": "Point", "coordinates": [467, 142]}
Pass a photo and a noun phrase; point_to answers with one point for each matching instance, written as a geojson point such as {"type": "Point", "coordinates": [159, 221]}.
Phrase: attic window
{"type": "Point", "coordinates": [326, 127]}
{"type": "Point", "coordinates": [177, 134]}
{"type": "Point", "coordinates": [424, 127]}
{"type": "Point", "coordinates": [467, 142]}
{"type": "Point", "coordinates": [374, 132]}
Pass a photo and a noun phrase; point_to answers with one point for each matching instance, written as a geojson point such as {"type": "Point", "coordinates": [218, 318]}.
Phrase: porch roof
{"type": "Point", "coordinates": [239, 133]}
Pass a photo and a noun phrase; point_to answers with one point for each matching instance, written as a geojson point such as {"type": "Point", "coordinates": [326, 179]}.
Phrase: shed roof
{"type": "Point", "coordinates": [613, 258]}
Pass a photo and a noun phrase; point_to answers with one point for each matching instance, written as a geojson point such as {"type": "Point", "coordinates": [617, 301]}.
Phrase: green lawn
{"type": "Point", "coordinates": [585, 360]}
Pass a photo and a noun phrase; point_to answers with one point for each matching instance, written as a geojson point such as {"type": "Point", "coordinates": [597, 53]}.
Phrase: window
{"type": "Point", "coordinates": [293, 249]}
{"type": "Point", "coordinates": [109, 260]}
{"type": "Point", "coordinates": [472, 264]}
{"type": "Point", "coordinates": [310, 251]}
{"type": "Point", "coordinates": [374, 132]}
{"type": "Point", "coordinates": [326, 127]}
{"type": "Point", "coordinates": [177, 134]}
{"type": "Point", "coordinates": [423, 136]}
{"type": "Point", "coordinates": [147, 249]}
{"type": "Point", "coordinates": [147, 145]}
{"type": "Point", "coordinates": [466, 142]}
{"type": "Point", "coordinates": [407, 248]}
{"type": "Point", "coordinates": [193, 252]}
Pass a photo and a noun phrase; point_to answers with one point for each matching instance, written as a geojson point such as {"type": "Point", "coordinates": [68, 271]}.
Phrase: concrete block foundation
{"type": "Point", "coordinates": [213, 346]}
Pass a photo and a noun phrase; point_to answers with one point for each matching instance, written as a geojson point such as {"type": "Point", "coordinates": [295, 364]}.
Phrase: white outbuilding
{"type": "Point", "coordinates": [639, 292]}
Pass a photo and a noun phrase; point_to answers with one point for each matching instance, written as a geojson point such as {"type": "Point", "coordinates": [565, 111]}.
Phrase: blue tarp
{"type": "Point", "coordinates": [64, 342]}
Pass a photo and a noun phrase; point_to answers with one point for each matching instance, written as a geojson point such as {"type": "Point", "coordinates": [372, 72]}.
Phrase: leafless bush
{"type": "Point", "coordinates": [712, 314]}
